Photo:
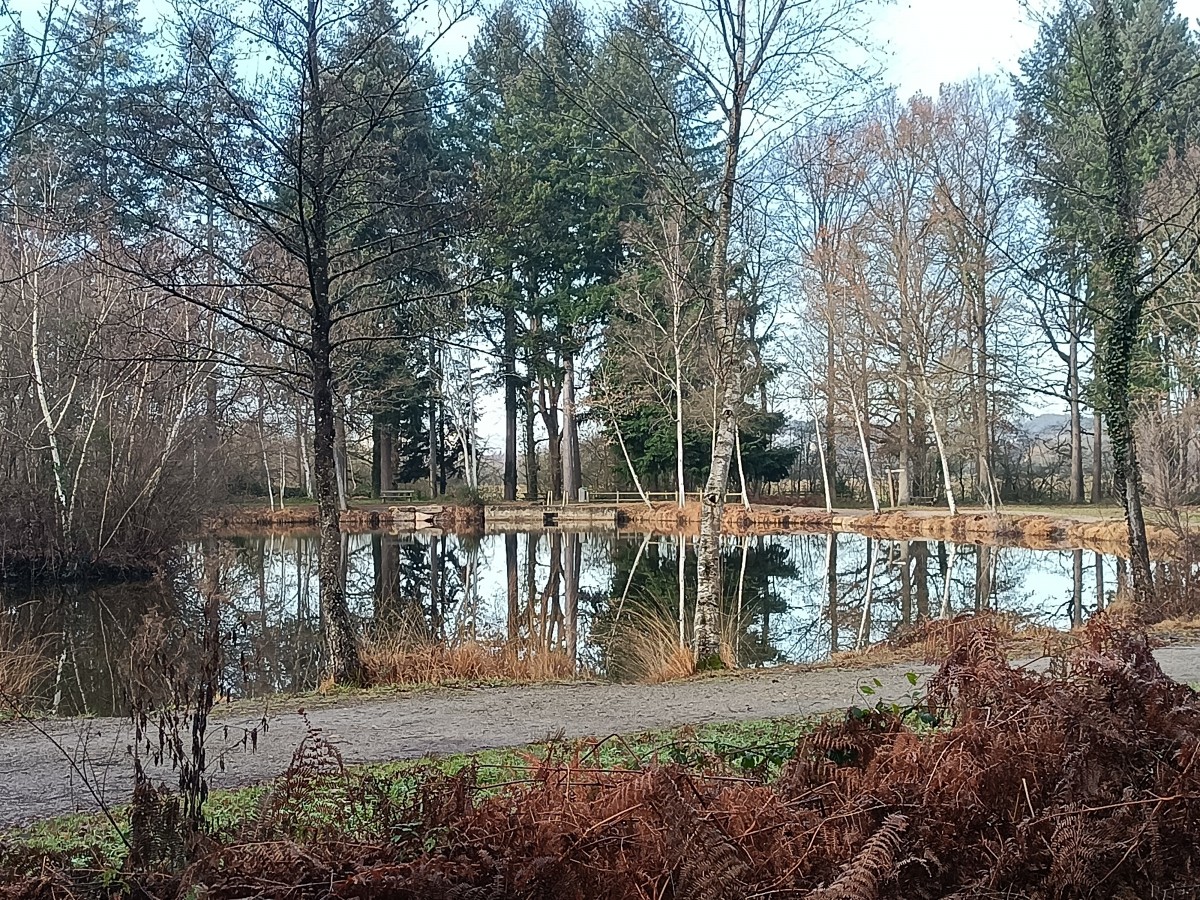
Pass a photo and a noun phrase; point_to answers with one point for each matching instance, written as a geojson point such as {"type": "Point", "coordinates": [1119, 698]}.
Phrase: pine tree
{"type": "Point", "coordinates": [98, 131]}
{"type": "Point", "coordinates": [1109, 90]}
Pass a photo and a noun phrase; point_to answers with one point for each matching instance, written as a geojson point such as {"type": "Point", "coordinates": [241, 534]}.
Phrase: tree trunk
{"type": "Point", "coordinates": [531, 551]}
{"type": "Point", "coordinates": [829, 455]}
{"type": "Point", "coordinates": [941, 448]}
{"type": "Point", "coordinates": [680, 484]}
{"type": "Point", "coordinates": [1074, 401]}
{"type": "Point", "coordinates": [1076, 588]}
{"type": "Point", "coordinates": [637, 482]}
{"type": "Point", "coordinates": [549, 408]}
{"type": "Point", "coordinates": [531, 460]}
{"type": "Point", "coordinates": [823, 452]}
{"type": "Point", "coordinates": [212, 432]}
{"type": "Point", "coordinates": [342, 662]}
{"type": "Point", "coordinates": [339, 459]}
{"type": "Point", "coordinates": [1124, 322]}
{"type": "Point", "coordinates": [903, 437]}
{"type": "Point", "coordinates": [573, 551]}
{"type": "Point", "coordinates": [433, 425]}
{"type": "Point", "coordinates": [376, 454]}
{"type": "Point", "coordinates": [302, 448]}
{"type": "Point", "coordinates": [707, 629]}
{"type": "Point", "coordinates": [737, 448]}
{"type": "Point", "coordinates": [865, 446]}
{"type": "Point", "coordinates": [983, 577]}
{"type": "Point", "coordinates": [1097, 456]}
{"type": "Point", "coordinates": [681, 578]}
{"type": "Point", "coordinates": [947, 574]}
{"type": "Point", "coordinates": [387, 458]}
{"type": "Point", "coordinates": [510, 562]}
{"type": "Point", "coordinates": [437, 590]}
{"type": "Point", "coordinates": [921, 578]}
{"type": "Point", "coordinates": [831, 589]}
{"type": "Point", "coordinates": [864, 622]}
{"type": "Point", "coordinates": [510, 400]}
{"type": "Point", "coordinates": [985, 485]}
{"type": "Point", "coordinates": [572, 475]}
{"type": "Point", "coordinates": [726, 316]}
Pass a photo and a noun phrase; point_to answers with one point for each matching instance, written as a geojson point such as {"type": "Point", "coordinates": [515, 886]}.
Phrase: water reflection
{"type": "Point", "coordinates": [787, 599]}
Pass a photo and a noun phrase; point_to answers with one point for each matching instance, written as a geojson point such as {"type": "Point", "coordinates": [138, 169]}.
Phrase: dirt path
{"type": "Point", "coordinates": [37, 782]}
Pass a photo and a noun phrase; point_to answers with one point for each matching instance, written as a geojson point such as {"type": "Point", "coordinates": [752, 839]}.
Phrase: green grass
{"type": "Point", "coordinates": [89, 842]}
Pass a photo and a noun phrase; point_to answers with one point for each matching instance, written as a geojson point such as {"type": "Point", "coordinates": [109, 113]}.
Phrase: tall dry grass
{"type": "Point", "coordinates": [23, 664]}
{"type": "Point", "coordinates": [650, 649]}
{"type": "Point", "coordinates": [401, 658]}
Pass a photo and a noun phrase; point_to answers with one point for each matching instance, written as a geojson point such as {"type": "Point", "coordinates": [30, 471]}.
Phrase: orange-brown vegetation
{"type": "Point", "coordinates": [999, 529]}
{"type": "Point", "coordinates": [1083, 781]}
{"type": "Point", "coordinates": [23, 664]}
{"type": "Point", "coordinates": [398, 659]}
{"type": "Point", "coordinates": [1035, 531]}
{"type": "Point", "coordinates": [650, 650]}
{"type": "Point", "coordinates": [930, 641]}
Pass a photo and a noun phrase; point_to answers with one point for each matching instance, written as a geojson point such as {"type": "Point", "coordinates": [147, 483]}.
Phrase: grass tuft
{"type": "Point", "coordinates": [399, 658]}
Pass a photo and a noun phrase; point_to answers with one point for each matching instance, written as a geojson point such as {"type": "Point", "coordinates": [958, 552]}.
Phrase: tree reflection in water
{"type": "Point", "coordinates": [794, 598]}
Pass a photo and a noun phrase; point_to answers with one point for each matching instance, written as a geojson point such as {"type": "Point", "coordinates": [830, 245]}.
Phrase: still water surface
{"type": "Point", "coordinates": [795, 598]}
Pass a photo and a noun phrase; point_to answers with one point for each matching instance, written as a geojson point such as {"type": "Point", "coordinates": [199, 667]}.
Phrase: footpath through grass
{"type": "Point", "coordinates": [1079, 781]}
{"type": "Point", "coordinates": [90, 843]}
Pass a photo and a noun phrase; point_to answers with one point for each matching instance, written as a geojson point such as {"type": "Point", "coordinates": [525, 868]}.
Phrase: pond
{"type": "Point", "coordinates": [789, 599]}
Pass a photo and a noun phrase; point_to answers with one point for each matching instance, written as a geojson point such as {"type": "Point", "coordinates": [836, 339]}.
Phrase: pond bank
{"type": "Point", "coordinates": [974, 526]}
{"type": "Point", "coordinates": [1054, 530]}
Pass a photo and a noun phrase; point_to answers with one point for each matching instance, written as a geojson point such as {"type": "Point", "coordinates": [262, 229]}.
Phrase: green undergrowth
{"type": "Point", "coordinates": [90, 842]}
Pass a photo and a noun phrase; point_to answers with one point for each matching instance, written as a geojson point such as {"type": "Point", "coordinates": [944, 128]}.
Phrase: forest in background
{"type": "Point", "coordinates": [296, 248]}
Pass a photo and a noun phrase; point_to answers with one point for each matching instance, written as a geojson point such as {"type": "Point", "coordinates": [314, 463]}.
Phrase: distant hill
{"type": "Point", "coordinates": [1050, 424]}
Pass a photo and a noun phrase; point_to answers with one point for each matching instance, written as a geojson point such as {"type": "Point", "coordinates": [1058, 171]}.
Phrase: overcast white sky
{"type": "Point", "coordinates": [932, 42]}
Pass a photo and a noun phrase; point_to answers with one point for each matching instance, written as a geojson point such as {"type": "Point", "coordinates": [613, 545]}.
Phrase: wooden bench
{"type": "Point", "coordinates": [402, 496]}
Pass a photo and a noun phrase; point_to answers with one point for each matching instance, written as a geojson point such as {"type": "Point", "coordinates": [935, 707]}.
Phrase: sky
{"type": "Point", "coordinates": [933, 42]}
{"type": "Point", "coordinates": [922, 45]}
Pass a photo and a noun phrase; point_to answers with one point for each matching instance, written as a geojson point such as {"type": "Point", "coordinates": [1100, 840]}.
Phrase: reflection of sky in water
{"type": "Point", "coordinates": [271, 621]}
{"type": "Point", "coordinates": [1037, 585]}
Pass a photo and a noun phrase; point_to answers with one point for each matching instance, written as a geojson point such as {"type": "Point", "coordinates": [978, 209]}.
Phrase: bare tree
{"type": "Point", "coordinates": [332, 251]}
{"type": "Point", "coordinates": [751, 56]}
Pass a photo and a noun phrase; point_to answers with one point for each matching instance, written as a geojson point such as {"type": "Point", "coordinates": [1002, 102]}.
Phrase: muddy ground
{"type": "Point", "coordinates": [37, 781]}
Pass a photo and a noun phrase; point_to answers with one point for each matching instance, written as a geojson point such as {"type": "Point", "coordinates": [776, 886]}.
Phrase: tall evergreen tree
{"type": "Point", "coordinates": [97, 124]}
{"type": "Point", "coordinates": [1110, 89]}
{"type": "Point", "coordinates": [556, 201]}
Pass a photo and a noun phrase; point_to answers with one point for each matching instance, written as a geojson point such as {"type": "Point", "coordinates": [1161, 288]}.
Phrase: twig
{"type": "Point", "coordinates": [75, 767]}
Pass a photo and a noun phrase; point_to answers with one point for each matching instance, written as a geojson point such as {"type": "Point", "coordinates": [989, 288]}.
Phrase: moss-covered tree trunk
{"type": "Point", "coordinates": [1119, 334]}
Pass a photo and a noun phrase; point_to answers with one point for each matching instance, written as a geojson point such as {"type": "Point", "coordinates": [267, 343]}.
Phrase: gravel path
{"type": "Point", "coordinates": [38, 782]}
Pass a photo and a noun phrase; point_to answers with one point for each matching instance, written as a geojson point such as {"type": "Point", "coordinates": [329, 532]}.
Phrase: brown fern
{"type": "Point", "coordinates": [871, 867]}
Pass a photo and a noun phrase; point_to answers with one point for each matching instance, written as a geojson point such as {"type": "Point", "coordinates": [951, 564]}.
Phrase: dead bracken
{"type": "Point", "coordinates": [1080, 781]}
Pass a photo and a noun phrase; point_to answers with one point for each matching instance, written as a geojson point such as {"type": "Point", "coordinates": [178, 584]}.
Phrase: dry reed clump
{"type": "Point", "coordinates": [647, 648]}
{"type": "Point", "coordinates": [1080, 782]}
{"type": "Point", "coordinates": [23, 664]}
{"type": "Point", "coordinates": [399, 659]}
